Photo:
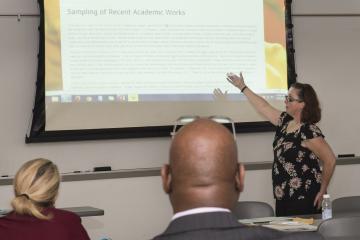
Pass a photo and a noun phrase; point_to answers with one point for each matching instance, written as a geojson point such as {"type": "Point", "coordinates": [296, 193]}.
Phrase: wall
{"type": "Point", "coordinates": [135, 208]}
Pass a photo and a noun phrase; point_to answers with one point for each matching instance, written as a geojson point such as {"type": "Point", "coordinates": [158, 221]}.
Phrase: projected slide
{"type": "Point", "coordinates": [114, 64]}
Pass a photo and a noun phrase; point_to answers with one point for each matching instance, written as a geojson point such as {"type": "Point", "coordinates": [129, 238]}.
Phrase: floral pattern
{"type": "Point", "coordinates": [296, 171]}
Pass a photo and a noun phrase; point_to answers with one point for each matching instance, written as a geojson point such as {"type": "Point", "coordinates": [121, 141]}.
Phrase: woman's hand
{"type": "Point", "coordinates": [258, 102]}
{"type": "Point", "coordinates": [321, 148]}
{"type": "Point", "coordinates": [237, 81]}
{"type": "Point", "coordinates": [318, 200]}
{"type": "Point", "coordinates": [220, 95]}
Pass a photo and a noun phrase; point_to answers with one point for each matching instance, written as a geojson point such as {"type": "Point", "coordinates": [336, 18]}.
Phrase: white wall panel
{"type": "Point", "coordinates": [326, 7]}
{"type": "Point", "coordinates": [19, 7]}
{"type": "Point", "coordinates": [328, 57]}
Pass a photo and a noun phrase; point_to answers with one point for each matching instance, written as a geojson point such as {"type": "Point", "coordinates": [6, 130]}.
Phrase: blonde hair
{"type": "Point", "coordinates": [36, 186]}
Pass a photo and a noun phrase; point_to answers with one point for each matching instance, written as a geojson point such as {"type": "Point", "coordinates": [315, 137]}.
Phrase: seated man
{"type": "Point", "coordinates": [203, 181]}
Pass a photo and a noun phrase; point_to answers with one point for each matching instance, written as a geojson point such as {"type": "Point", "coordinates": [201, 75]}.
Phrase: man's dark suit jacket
{"type": "Point", "coordinates": [223, 226]}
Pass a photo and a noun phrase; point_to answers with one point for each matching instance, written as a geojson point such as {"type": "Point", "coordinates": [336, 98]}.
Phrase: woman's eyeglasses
{"type": "Point", "coordinates": [290, 99]}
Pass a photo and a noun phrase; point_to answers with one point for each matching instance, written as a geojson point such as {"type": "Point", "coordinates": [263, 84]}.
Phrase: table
{"type": "Point", "coordinates": [86, 211]}
{"type": "Point", "coordinates": [342, 238]}
{"type": "Point", "coordinates": [83, 211]}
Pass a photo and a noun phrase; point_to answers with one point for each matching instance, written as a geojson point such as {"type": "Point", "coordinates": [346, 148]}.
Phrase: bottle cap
{"type": "Point", "coordinates": [326, 196]}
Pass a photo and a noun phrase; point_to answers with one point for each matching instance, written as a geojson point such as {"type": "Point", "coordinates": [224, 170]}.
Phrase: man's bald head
{"type": "Point", "coordinates": [204, 151]}
{"type": "Point", "coordinates": [203, 169]}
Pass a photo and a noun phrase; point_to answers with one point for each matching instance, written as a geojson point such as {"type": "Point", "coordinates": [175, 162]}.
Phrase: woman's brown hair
{"type": "Point", "coordinates": [311, 112]}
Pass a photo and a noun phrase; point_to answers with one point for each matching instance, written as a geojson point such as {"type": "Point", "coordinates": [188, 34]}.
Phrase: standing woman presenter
{"type": "Point", "coordinates": [298, 180]}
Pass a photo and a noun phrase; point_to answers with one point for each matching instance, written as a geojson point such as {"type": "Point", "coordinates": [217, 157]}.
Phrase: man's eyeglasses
{"type": "Point", "coordinates": [290, 99]}
{"type": "Point", "coordinates": [188, 119]}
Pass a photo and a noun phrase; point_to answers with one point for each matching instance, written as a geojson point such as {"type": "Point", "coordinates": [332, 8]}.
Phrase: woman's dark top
{"type": "Point", "coordinates": [63, 225]}
{"type": "Point", "coordinates": [296, 171]}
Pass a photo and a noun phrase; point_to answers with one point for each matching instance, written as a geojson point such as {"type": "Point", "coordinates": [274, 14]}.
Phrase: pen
{"type": "Point", "coordinates": [262, 222]}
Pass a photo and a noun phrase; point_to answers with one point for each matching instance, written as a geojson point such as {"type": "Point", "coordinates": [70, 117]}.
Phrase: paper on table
{"type": "Point", "coordinates": [263, 220]}
{"type": "Point", "coordinates": [291, 226]}
{"type": "Point", "coordinates": [282, 223]}
{"type": "Point", "coordinates": [304, 220]}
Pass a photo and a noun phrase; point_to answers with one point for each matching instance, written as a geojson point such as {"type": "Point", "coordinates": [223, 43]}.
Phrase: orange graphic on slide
{"type": "Point", "coordinates": [53, 74]}
{"type": "Point", "coordinates": [275, 44]}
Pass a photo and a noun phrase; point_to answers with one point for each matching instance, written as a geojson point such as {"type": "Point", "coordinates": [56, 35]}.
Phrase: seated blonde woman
{"type": "Point", "coordinates": [36, 186]}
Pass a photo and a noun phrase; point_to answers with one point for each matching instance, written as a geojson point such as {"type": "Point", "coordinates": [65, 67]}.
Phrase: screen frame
{"type": "Point", "coordinates": [37, 133]}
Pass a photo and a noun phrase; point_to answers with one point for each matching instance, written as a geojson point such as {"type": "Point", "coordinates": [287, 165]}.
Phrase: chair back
{"type": "Point", "coordinates": [347, 227]}
{"type": "Point", "coordinates": [345, 205]}
{"type": "Point", "coordinates": [253, 209]}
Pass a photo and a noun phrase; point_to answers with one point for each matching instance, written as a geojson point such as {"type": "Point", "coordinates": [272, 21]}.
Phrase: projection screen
{"type": "Point", "coordinates": [115, 69]}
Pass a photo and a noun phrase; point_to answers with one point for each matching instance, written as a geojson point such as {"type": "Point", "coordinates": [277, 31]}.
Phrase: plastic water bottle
{"type": "Point", "coordinates": [326, 207]}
